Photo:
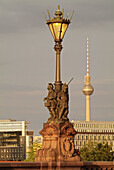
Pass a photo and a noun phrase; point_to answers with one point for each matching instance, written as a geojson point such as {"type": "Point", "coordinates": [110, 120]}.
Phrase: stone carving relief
{"type": "Point", "coordinates": [67, 147]}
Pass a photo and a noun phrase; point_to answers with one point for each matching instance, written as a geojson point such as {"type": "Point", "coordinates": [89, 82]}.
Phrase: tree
{"type": "Point", "coordinates": [97, 152]}
{"type": "Point", "coordinates": [31, 154]}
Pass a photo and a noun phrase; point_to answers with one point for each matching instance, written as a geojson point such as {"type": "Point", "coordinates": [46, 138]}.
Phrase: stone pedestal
{"type": "Point", "coordinates": [58, 143]}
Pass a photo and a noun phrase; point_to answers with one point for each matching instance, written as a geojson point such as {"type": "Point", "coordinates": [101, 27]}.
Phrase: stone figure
{"type": "Point", "coordinates": [63, 102]}
{"type": "Point", "coordinates": [51, 101]}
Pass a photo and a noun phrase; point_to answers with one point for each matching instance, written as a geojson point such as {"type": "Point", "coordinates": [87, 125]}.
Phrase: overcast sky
{"type": "Point", "coordinates": [27, 58]}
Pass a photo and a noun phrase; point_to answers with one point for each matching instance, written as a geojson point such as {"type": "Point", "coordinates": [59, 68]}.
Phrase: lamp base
{"type": "Point", "coordinates": [58, 143]}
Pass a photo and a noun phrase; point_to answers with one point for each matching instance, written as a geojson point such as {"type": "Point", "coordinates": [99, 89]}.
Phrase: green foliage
{"type": "Point", "coordinates": [97, 152]}
{"type": "Point", "coordinates": [31, 154]}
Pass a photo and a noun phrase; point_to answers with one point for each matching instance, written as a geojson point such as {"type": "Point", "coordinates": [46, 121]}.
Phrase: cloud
{"type": "Point", "coordinates": [20, 89]}
{"type": "Point", "coordinates": [104, 81]}
{"type": "Point", "coordinates": [26, 45]}
{"type": "Point", "coordinates": [29, 93]}
{"type": "Point", "coordinates": [25, 15]}
{"type": "Point", "coordinates": [20, 16]}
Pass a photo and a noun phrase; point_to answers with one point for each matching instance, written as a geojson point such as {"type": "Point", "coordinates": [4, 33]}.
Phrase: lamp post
{"type": "Point", "coordinates": [58, 132]}
{"type": "Point", "coordinates": [58, 26]}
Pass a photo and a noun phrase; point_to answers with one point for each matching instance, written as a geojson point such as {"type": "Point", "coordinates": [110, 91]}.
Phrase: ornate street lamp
{"type": "Point", "coordinates": [58, 132]}
{"type": "Point", "coordinates": [58, 26]}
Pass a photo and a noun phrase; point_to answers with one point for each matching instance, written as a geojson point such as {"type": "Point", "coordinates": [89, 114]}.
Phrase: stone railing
{"type": "Point", "coordinates": [56, 165]}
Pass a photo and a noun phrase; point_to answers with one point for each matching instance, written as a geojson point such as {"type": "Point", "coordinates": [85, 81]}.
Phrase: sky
{"type": "Point", "coordinates": [27, 59]}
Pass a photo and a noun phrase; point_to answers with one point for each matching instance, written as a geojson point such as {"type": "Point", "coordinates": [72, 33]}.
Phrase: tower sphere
{"type": "Point", "coordinates": [87, 89]}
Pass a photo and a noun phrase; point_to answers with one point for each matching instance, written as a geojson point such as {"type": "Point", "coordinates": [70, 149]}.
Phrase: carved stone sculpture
{"type": "Point", "coordinates": [62, 102]}
{"type": "Point", "coordinates": [51, 101]}
{"type": "Point", "coordinates": [58, 133]}
{"type": "Point", "coordinates": [57, 103]}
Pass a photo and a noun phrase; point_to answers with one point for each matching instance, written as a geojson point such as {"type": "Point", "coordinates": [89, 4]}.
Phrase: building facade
{"type": "Point", "coordinates": [14, 140]}
{"type": "Point", "coordinates": [97, 131]}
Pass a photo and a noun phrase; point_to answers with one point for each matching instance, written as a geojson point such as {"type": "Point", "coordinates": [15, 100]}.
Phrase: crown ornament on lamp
{"type": "Point", "coordinates": [58, 25]}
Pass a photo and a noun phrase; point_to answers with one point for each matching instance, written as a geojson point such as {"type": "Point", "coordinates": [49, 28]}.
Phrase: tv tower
{"type": "Point", "coordinates": [87, 89]}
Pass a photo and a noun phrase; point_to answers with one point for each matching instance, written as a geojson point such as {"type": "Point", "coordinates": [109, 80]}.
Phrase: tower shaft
{"type": "Point", "coordinates": [87, 108]}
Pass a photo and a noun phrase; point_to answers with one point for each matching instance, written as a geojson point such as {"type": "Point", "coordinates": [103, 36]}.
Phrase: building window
{"type": "Point", "coordinates": [94, 137]}
{"type": "Point", "coordinates": [98, 137]}
{"type": "Point", "coordinates": [78, 137]}
{"type": "Point", "coordinates": [86, 137]}
{"type": "Point", "coordinates": [90, 137]}
{"type": "Point", "coordinates": [82, 137]}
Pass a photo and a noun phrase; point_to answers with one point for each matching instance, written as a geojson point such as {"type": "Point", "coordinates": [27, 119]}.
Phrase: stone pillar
{"type": "Point", "coordinates": [58, 143]}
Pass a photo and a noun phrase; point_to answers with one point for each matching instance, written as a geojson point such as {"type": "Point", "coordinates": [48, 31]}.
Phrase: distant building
{"type": "Point", "coordinates": [15, 140]}
{"type": "Point", "coordinates": [97, 131]}
{"type": "Point", "coordinates": [38, 139]}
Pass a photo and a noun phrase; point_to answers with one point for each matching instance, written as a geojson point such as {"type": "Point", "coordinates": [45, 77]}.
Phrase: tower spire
{"type": "Point", "coordinates": [87, 89]}
{"type": "Point", "coordinates": [87, 56]}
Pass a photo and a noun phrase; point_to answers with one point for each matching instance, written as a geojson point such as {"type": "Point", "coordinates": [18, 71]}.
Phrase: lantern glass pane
{"type": "Point", "coordinates": [51, 29]}
{"type": "Point", "coordinates": [57, 27]}
{"type": "Point", "coordinates": [64, 28]}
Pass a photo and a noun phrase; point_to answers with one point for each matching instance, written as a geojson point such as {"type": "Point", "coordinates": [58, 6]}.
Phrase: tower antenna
{"type": "Point", "coordinates": [87, 56]}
